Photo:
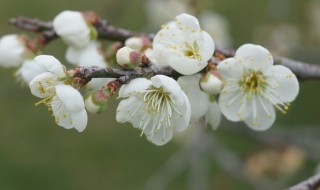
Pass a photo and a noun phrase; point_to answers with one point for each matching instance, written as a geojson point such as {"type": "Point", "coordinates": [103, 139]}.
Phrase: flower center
{"type": "Point", "coordinates": [252, 81]}
{"type": "Point", "coordinates": [157, 99]}
{"type": "Point", "coordinates": [158, 109]}
{"type": "Point", "coordinates": [192, 51]}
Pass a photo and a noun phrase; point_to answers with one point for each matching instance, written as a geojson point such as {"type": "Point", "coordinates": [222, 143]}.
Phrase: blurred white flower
{"type": "Point", "coordinates": [183, 45]}
{"type": "Point", "coordinates": [216, 25]}
{"type": "Point", "coordinates": [253, 85]}
{"type": "Point", "coordinates": [72, 27]}
{"type": "Point", "coordinates": [13, 51]}
{"type": "Point", "coordinates": [159, 12]}
{"type": "Point", "coordinates": [313, 14]}
{"type": "Point", "coordinates": [156, 107]}
{"type": "Point", "coordinates": [318, 168]}
{"type": "Point", "coordinates": [200, 102]}
{"type": "Point", "coordinates": [138, 43]}
{"type": "Point", "coordinates": [93, 56]}
{"type": "Point", "coordinates": [280, 39]}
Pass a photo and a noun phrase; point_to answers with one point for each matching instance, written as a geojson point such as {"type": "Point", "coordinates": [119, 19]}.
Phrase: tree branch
{"type": "Point", "coordinates": [304, 71]}
{"type": "Point", "coordinates": [312, 183]}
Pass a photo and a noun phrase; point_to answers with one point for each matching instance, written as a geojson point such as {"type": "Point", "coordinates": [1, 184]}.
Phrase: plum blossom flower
{"type": "Point", "coordinates": [253, 86]}
{"type": "Point", "coordinates": [72, 27]}
{"type": "Point", "coordinates": [155, 106]}
{"type": "Point", "coordinates": [65, 102]}
{"type": "Point", "coordinates": [202, 104]}
{"type": "Point", "coordinates": [13, 50]}
{"type": "Point", "coordinates": [183, 45]}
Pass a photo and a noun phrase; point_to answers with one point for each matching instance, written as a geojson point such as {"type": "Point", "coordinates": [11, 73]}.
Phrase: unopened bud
{"type": "Point", "coordinates": [210, 82]}
{"type": "Point", "coordinates": [128, 58]}
{"type": "Point", "coordinates": [138, 43]}
{"type": "Point", "coordinates": [96, 101]}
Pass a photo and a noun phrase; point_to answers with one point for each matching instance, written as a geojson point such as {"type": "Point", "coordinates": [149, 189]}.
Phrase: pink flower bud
{"type": "Point", "coordinates": [128, 58]}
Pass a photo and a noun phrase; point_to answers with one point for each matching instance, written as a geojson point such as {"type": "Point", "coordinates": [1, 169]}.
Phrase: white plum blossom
{"type": "Point", "coordinates": [202, 104]}
{"type": "Point", "coordinates": [156, 107]}
{"type": "Point", "coordinates": [159, 12]}
{"type": "Point", "coordinates": [12, 50]}
{"type": "Point", "coordinates": [65, 102]}
{"type": "Point", "coordinates": [216, 25]}
{"type": "Point", "coordinates": [183, 45]}
{"type": "Point", "coordinates": [253, 86]}
{"type": "Point", "coordinates": [72, 27]}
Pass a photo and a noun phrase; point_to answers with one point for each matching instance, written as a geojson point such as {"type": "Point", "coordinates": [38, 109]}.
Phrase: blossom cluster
{"type": "Point", "coordinates": [246, 87]}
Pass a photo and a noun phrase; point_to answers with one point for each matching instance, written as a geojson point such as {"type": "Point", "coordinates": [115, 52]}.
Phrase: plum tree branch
{"type": "Point", "coordinates": [312, 183]}
{"type": "Point", "coordinates": [304, 71]}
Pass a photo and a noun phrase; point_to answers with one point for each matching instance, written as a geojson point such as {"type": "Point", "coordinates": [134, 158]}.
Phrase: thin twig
{"type": "Point", "coordinates": [312, 183]}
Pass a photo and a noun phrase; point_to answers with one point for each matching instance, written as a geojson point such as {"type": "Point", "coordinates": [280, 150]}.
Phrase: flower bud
{"type": "Point", "coordinates": [210, 83]}
{"type": "Point", "coordinates": [138, 43]}
{"type": "Point", "coordinates": [128, 58]}
{"type": "Point", "coordinates": [13, 50]}
{"type": "Point", "coordinates": [72, 27]}
{"type": "Point", "coordinates": [96, 101]}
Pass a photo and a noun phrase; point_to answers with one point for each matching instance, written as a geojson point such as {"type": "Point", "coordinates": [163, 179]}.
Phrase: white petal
{"type": "Point", "coordinates": [181, 122]}
{"type": "Point", "coordinates": [163, 136]}
{"type": "Point", "coordinates": [29, 70]}
{"type": "Point", "coordinates": [135, 86]}
{"type": "Point", "coordinates": [254, 57]}
{"type": "Point", "coordinates": [230, 69]}
{"type": "Point", "coordinates": [67, 119]}
{"type": "Point", "coordinates": [287, 83]}
{"type": "Point", "coordinates": [207, 47]}
{"type": "Point", "coordinates": [161, 55]}
{"type": "Point", "coordinates": [213, 116]}
{"type": "Point", "coordinates": [50, 63]}
{"type": "Point", "coordinates": [43, 85]}
{"type": "Point", "coordinates": [199, 101]}
{"type": "Point", "coordinates": [91, 56]}
{"type": "Point", "coordinates": [79, 120]}
{"type": "Point", "coordinates": [187, 66]}
{"type": "Point", "coordinates": [73, 55]}
{"type": "Point", "coordinates": [234, 105]}
{"type": "Point", "coordinates": [262, 114]}
{"type": "Point", "coordinates": [126, 108]}
{"type": "Point", "coordinates": [168, 84]}
{"type": "Point", "coordinates": [188, 20]}
{"type": "Point", "coordinates": [62, 115]}
{"type": "Point", "coordinates": [70, 97]}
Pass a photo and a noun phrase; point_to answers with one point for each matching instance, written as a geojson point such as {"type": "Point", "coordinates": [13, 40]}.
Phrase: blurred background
{"type": "Point", "coordinates": [37, 154]}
